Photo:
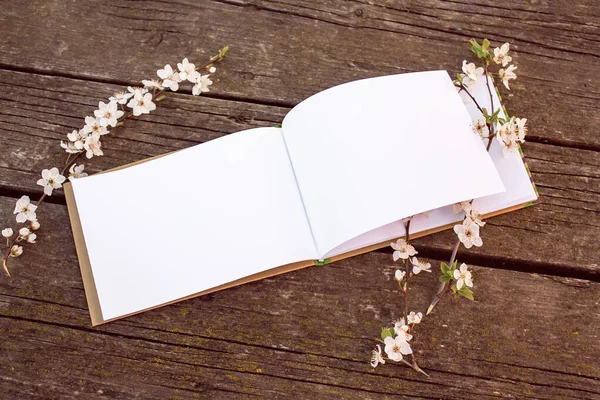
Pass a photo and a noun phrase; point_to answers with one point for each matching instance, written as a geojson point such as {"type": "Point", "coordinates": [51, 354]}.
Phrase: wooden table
{"type": "Point", "coordinates": [533, 331]}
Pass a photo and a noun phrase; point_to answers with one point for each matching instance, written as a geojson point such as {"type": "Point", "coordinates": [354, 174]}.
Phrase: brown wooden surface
{"type": "Point", "coordinates": [533, 331]}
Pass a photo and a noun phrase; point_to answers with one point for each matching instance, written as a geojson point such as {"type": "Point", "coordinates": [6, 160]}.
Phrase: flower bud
{"type": "Point", "coordinates": [31, 238]}
{"type": "Point", "coordinates": [399, 275]}
{"type": "Point", "coordinates": [16, 251]}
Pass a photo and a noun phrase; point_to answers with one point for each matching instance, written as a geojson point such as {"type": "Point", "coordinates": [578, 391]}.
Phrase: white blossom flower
{"type": "Point", "coordinates": [8, 232]}
{"type": "Point", "coordinates": [475, 217]}
{"type": "Point", "coordinates": [136, 92]}
{"type": "Point", "coordinates": [76, 171]}
{"type": "Point", "coordinates": [108, 114]}
{"type": "Point", "coordinates": [75, 143]}
{"type": "Point", "coordinates": [23, 232]}
{"type": "Point", "coordinates": [143, 105]}
{"type": "Point", "coordinates": [399, 275]}
{"type": "Point", "coordinates": [152, 84]}
{"type": "Point", "coordinates": [93, 126]}
{"type": "Point", "coordinates": [31, 238]}
{"type": "Point", "coordinates": [462, 206]}
{"type": "Point", "coordinates": [16, 251]}
{"type": "Point", "coordinates": [120, 97]}
{"type": "Point", "coordinates": [25, 210]}
{"type": "Point", "coordinates": [194, 77]}
{"type": "Point", "coordinates": [170, 78]}
{"type": "Point", "coordinates": [507, 74]}
{"type": "Point", "coordinates": [93, 146]}
{"type": "Point", "coordinates": [186, 70]}
{"type": "Point", "coordinates": [51, 179]}
{"type": "Point", "coordinates": [69, 147]}
{"type": "Point", "coordinates": [402, 249]}
{"type": "Point", "coordinates": [468, 233]}
{"type": "Point", "coordinates": [35, 225]}
{"type": "Point", "coordinates": [202, 85]}
{"type": "Point", "coordinates": [511, 147]}
{"type": "Point", "coordinates": [419, 266]}
{"type": "Point", "coordinates": [376, 357]}
{"type": "Point", "coordinates": [511, 133]}
{"type": "Point", "coordinates": [480, 128]}
{"type": "Point", "coordinates": [463, 276]}
{"type": "Point", "coordinates": [521, 128]}
{"type": "Point", "coordinates": [501, 55]}
{"type": "Point", "coordinates": [401, 330]}
{"type": "Point", "coordinates": [414, 318]}
{"type": "Point", "coordinates": [395, 348]}
{"type": "Point", "coordinates": [471, 71]}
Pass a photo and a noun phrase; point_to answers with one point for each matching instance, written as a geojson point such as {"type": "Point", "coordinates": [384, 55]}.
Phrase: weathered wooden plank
{"type": "Point", "coordinates": [284, 51]}
{"type": "Point", "coordinates": [37, 111]}
{"type": "Point", "coordinates": [303, 334]}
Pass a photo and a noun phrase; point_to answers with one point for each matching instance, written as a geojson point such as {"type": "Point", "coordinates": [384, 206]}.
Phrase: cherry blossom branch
{"type": "Point", "coordinates": [509, 132]}
{"type": "Point", "coordinates": [87, 140]}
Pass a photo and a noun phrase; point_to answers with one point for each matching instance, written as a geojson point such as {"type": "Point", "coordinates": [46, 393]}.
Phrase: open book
{"type": "Point", "coordinates": [347, 165]}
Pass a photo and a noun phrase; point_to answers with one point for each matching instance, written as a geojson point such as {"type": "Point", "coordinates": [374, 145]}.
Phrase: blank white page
{"type": "Point", "coordinates": [370, 152]}
{"type": "Point", "coordinates": [192, 220]}
{"type": "Point", "coordinates": [514, 175]}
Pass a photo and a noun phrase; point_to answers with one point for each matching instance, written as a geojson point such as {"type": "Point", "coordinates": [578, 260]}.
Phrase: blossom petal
{"type": "Point", "coordinates": [21, 217]}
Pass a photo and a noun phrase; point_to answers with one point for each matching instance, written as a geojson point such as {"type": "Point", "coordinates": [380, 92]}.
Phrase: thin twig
{"type": "Point", "coordinates": [487, 83]}
{"type": "Point", "coordinates": [406, 238]}
{"type": "Point", "coordinates": [443, 285]}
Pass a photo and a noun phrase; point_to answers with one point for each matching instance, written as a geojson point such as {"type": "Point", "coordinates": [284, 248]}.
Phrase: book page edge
{"type": "Point", "coordinates": [91, 294]}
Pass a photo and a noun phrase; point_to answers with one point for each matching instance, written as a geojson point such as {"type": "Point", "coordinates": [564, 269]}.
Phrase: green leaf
{"type": "Point", "coordinates": [444, 278]}
{"type": "Point", "coordinates": [459, 77]}
{"type": "Point", "coordinates": [466, 292]}
{"type": "Point", "coordinates": [475, 47]}
{"type": "Point", "coordinates": [454, 265]}
{"type": "Point", "coordinates": [223, 52]}
{"type": "Point", "coordinates": [485, 44]}
{"type": "Point", "coordinates": [444, 267]}
{"type": "Point", "coordinates": [160, 98]}
{"type": "Point", "coordinates": [494, 116]}
{"type": "Point", "coordinates": [387, 332]}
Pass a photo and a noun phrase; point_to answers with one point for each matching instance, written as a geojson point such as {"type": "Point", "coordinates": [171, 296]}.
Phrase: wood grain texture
{"type": "Point", "coordinates": [306, 334]}
{"type": "Point", "coordinates": [37, 111]}
{"type": "Point", "coordinates": [284, 51]}
{"type": "Point", "coordinates": [303, 334]}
